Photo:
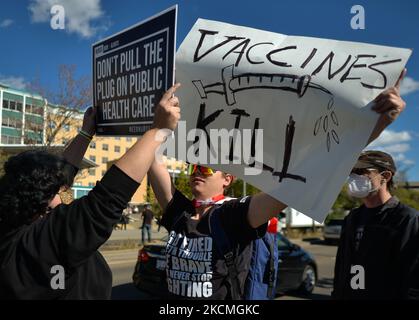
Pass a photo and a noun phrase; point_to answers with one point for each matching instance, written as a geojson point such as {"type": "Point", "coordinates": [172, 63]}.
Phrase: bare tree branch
{"type": "Point", "coordinates": [73, 95]}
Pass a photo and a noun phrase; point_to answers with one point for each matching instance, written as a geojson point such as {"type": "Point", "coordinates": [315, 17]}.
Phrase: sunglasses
{"type": "Point", "coordinates": [362, 172]}
{"type": "Point", "coordinates": [205, 171]}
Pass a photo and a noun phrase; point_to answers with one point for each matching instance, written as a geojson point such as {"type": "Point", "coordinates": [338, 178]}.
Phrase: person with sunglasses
{"type": "Point", "coordinates": [49, 250]}
{"type": "Point", "coordinates": [194, 267]}
{"type": "Point", "coordinates": [380, 238]}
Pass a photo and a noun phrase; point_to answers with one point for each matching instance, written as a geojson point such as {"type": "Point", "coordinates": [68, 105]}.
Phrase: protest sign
{"type": "Point", "coordinates": [131, 70]}
{"type": "Point", "coordinates": [301, 107]}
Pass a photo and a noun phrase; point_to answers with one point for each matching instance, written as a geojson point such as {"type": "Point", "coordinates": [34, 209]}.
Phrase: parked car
{"type": "Point", "coordinates": [297, 269]}
{"type": "Point", "coordinates": [332, 230]}
{"type": "Point", "coordinates": [150, 269]}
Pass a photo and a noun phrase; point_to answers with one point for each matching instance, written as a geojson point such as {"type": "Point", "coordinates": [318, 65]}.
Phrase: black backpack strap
{"type": "Point", "coordinates": [224, 248]}
{"type": "Point", "coordinates": [271, 275]}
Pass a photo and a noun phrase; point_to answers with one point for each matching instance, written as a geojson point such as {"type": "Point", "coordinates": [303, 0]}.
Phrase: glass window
{"type": "Point", "coordinates": [117, 149]}
{"type": "Point", "coordinates": [92, 158]}
{"type": "Point", "coordinates": [105, 160]}
{"type": "Point", "coordinates": [92, 172]}
{"type": "Point", "coordinates": [105, 147]}
{"type": "Point", "coordinates": [5, 104]}
{"type": "Point", "coordinates": [19, 106]}
{"type": "Point", "coordinates": [92, 145]}
{"type": "Point", "coordinates": [39, 110]}
{"type": "Point", "coordinates": [12, 105]}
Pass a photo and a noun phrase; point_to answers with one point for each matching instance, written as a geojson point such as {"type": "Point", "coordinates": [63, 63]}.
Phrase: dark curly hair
{"type": "Point", "coordinates": [31, 179]}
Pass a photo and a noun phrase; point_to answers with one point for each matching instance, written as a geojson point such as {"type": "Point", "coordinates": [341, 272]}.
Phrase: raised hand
{"type": "Point", "coordinates": [167, 112]}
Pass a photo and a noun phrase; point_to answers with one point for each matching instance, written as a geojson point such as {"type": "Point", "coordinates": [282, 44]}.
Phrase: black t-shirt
{"type": "Point", "coordinates": [194, 268]}
{"type": "Point", "coordinates": [364, 217]}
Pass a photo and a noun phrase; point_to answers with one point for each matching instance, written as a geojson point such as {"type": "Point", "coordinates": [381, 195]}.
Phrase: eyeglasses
{"type": "Point", "coordinates": [205, 171]}
{"type": "Point", "coordinates": [362, 172]}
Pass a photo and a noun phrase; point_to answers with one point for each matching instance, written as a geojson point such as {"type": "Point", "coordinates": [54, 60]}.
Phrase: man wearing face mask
{"type": "Point", "coordinates": [378, 254]}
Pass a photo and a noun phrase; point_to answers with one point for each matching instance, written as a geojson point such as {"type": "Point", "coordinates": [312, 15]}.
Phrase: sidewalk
{"type": "Point", "coordinates": [130, 238]}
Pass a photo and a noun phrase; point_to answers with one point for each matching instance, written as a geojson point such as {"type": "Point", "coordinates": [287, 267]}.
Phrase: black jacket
{"type": "Point", "coordinates": [388, 252]}
{"type": "Point", "coordinates": [69, 237]}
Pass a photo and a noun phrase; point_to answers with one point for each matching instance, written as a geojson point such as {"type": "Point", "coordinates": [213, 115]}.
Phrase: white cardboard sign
{"type": "Point", "coordinates": [310, 96]}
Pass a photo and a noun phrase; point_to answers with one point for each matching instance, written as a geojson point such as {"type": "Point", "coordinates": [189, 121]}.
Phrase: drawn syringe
{"type": "Point", "coordinates": [231, 84]}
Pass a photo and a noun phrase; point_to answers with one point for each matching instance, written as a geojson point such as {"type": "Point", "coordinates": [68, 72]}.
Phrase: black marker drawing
{"type": "Point", "coordinates": [283, 174]}
{"type": "Point", "coordinates": [326, 122]}
{"type": "Point", "coordinates": [231, 84]}
{"type": "Point", "coordinates": [239, 113]}
{"type": "Point", "coordinates": [202, 122]}
{"type": "Point", "coordinates": [289, 137]}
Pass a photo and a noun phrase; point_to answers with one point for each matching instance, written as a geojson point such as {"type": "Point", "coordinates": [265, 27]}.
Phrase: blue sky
{"type": "Point", "coordinates": [31, 49]}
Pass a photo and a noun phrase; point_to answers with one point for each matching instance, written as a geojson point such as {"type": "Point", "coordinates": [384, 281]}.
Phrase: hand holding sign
{"type": "Point", "coordinates": [167, 112]}
{"type": "Point", "coordinates": [390, 105]}
{"type": "Point", "coordinates": [131, 71]}
{"type": "Point", "coordinates": [308, 96]}
{"type": "Point", "coordinates": [389, 101]}
{"type": "Point", "coordinates": [89, 121]}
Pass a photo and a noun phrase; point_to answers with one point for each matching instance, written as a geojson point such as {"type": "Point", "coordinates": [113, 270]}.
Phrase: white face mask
{"type": "Point", "coordinates": [359, 186]}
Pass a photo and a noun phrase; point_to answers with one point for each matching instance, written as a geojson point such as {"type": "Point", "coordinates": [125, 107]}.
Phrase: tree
{"type": "Point", "coordinates": [3, 159]}
{"type": "Point", "coordinates": [74, 94]}
{"type": "Point", "coordinates": [150, 198]}
{"type": "Point", "coordinates": [343, 204]}
{"type": "Point", "coordinates": [182, 184]}
{"type": "Point", "coordinates": [236, 189]}
{"type": "Point", "coordinates": [408, 197]}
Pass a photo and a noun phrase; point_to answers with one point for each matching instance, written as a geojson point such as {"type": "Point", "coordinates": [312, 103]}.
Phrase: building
{"type": "Point", "coordinates": [28, 120]}
{"type": "Point", "coordinates": [22, 117]}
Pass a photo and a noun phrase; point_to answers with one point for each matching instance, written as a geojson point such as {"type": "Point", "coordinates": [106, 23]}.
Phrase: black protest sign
{"type": "Point", "coordinates": [131, 71]}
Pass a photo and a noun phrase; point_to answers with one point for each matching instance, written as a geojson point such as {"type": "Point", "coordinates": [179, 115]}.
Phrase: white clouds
{"type": "Point", "coordinates": [6, 23]}
{"type": "Point", "coordinates": [395, 148]}
{"type": "Point", "coordinates": [394, 143]}
{"type": "Point", "coordinates": [13, 82]}
{"type": "Point", "coordinates": [83, 17]}
{"type": "Point", "coordinates": [408, 85]}
{"type": "Point", "coordinates": [391, 137]}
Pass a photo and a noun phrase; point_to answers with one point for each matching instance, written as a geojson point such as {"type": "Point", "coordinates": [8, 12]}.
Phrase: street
{"type": "Point", "coordinates": [122, 264]}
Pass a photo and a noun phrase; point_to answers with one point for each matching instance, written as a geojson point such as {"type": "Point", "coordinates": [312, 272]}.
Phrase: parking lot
{"type": "Point", "coordinates": [122, 263]}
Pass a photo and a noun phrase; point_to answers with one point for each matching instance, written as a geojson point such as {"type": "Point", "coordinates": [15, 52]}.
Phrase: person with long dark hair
{"type": "Point", "coordinates": [48, 250]}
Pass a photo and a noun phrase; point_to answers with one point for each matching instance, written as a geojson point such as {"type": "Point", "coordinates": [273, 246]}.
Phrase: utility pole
{"type": "Point", "coordinates": [244, 188]}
